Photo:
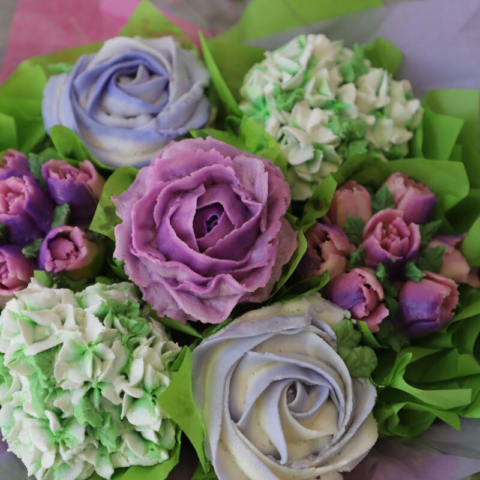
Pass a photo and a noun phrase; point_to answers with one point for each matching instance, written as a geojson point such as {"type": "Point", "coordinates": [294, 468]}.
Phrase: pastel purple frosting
{"type": "Point", "coordinates": [79, 187]}
{"type": "Point", "coordinates": [328, 249]}
{"type": "Point", "coordinates": [426, 306]}
{"type": "Point", "coordinates": [15, 271]}
{"type": "Point", "coordinates": [361, 293]}
{"type": "Point", "coordinates": [25, 208]}
{"type": "Point", "coordinates": [14, 164]}
{"type": "Point", "coordinates": [66, 249]}
{"type": "Point", "coordinates": [415, 200]}
{"type": "Point", "coordinates": [388, 239]}
{"type": "Point", "coordinates": [129, 100]}
{"type": "Point", "coordinates": [203, 228]}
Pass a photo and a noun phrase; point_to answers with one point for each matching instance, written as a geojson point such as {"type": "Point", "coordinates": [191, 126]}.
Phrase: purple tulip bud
{"type": "Point", "coordinates": [25, 208]}
{"type": "Point", "coordinates": [79, 187]}
{"type": "Point", "coordinates": [14, 164]}
{"type": "Point", "coordinates": [350, 199]}
{"type": "Point", "coordinates": [415, 200]}
{"type": "Point", "coordinates": [360, 292]}
{"type": "Point", "coordinates": [455, 265]}
{"type": "Point", "coordinates": [15, 271]}
{"type": "Point", "coordinates": [328, 249]}
{"type": "Point", "coordinates": [388, 239]}
{"type": "Point", "coordinates": [67, 249]}
{"type": "Point", "coordinates": [426, 306]}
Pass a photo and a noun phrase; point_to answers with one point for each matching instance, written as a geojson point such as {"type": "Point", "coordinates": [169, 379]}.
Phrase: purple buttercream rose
{"type": "Point", "coordinates": [130, 99]}
{"type": "Point", "coordinates": [388, 239]}
{"type": "Point", "coordinates": [455, 265]}
{"type": "Point", "coordinates": [67, 249]}
{"type": "Point", "coordinates": [25, 208]}
{"type": "Point", "coordinates": [203, 229]}
{"type": "Point", "coordinates": [415, 200]}
{"type": "Point", "coordinates": [79, 187]}
{"type": "Point", "coordinates": [426, 306]}
{"type": "Point", "coordinates": [328, 250]}
{"type": "Point", "coordinates": [14, 164]}
{"type": "Point", "coordinates": [350, 199]}
{"type": "Point", "coordinates": [361, 293]}
{"type": "Point", "coordinates": [15, 271]}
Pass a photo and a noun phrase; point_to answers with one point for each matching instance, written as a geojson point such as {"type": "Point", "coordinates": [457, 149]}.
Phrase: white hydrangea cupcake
{"type": "Point", "coordinates": [324, 103]}
{"type": "Point", "coordinates": [79, 378]}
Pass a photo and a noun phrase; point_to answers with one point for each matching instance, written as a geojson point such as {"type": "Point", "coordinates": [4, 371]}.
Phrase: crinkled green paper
{"type": "Point", "coordinates": [438, 377]}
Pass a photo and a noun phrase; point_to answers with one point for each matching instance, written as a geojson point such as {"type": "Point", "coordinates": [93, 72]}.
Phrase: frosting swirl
{"type": "Point", "coordinates": [277, 400]}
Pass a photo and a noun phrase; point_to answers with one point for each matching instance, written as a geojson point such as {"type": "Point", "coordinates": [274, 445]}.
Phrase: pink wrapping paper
{"type": "Point", "coordinates": [42, 27]}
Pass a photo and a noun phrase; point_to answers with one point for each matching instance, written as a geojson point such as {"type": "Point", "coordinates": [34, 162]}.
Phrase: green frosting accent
{"type": "Point", "coordinates": [314, 93]}
{"type": "Point", "coordinates": [82, 382]}
{"type": "Point", "coordinates": [286, 100]}
{"type": "Point", "coordinates": [355, 67]}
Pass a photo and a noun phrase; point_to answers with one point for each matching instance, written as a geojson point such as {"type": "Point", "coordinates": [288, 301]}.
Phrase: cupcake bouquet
{"type": "Point", "coordinates": [278, 259]}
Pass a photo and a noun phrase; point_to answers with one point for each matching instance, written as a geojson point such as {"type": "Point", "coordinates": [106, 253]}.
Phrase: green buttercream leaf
{"type": "Point", "coordinates": [3, 234]}
{"type": "Point", "coordinates": [389, 336]}
{"type": "Point", "coordinates": [382, 274]}
{"type": "Point", "coordinates": [428, 230]}
{"type": "Point", "coordinates": [35, 163]}
{"type": "Point", "coordinates": [357, 258]}
{"type": "Point", "coordinates": [412, 272]}
{"type": "Point", "coordinates": [61, 215]}
{"type": "Point", "coordinates": [354, 229]}
{"type": "Point", "coordinates": [382, 200]}
{"type": "Point", "coordinates": [43, 277]}
{"type": "Point", "coordinates": [105, 218]}
{"type": "Point", "coordinates": [347, 336]}
{"type": "Point", "coordinates": [32, 250]}
{"type": "Point", "coordinates": [361, 361]}
{"type": "Point", "coordinates": [431, 259]}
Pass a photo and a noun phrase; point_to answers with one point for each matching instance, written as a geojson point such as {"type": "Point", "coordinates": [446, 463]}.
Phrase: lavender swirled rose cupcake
{"type": "Point", "coordinates": [130, 99]}
{"type": "Point", "coordinates": [203, 229]}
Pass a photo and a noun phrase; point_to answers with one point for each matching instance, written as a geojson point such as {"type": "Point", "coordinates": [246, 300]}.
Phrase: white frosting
{"type": "Point", "coordinates": [277, 401]}
{"type": "Point", "coordinates": [314, 70]}
{"type": "Point", "coordinates": [89, 403]}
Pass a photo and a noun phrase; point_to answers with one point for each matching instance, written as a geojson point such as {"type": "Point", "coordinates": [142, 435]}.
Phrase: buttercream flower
{"type": "Point", "coordinates": [203, 229]}
{"type": "Point", "coordinates": [350, 199]}
{"type": "Point", "coordinates": [361, 293]}
{"type": "Point", "coordinates": [388, 239]}
{"type": "Point", "coordinates": [79, 187]}
{"type": "Point", "coordinates": [67, 249]}
{"type": "Point", "coordinates": [80, 378]}
{"type": "Point", "coordinates": [130, 99]}
{"type": "Point", "coordinates": [455, 265]}
{"type": "Point", "coordinates": [415, 200]}
{"type": "Point", "coordinates": [426, 306]}
{"type": "Point", "coordinates": [277, 400]}
{"type": "Point", "coordinates": [15, 271]}
{"type": "Point", "coordinates": [328, 250]}
{"type": "Point", "coordinates": [14, 164]}
{"type": "Point", "coordinates": [25, 208]}
{"type": "Point", "coordinates": [324, 103]}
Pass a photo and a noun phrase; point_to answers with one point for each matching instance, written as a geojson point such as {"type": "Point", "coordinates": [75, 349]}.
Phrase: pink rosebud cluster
{"type": "Point", "coordinates": [367, 252]}
{"type": "Point", "coordinates": [29, 237]}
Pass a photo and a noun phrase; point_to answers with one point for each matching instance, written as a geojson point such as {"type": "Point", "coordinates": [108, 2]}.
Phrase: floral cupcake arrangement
{"type": "Point", "coordinates": [286, 279]}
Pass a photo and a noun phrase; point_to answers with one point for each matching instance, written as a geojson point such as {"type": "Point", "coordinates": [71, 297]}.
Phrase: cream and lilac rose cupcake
{"type": "Point", "coordinates": [277, 400]}
{"type": "Point", "coordinates": [130, 99]}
